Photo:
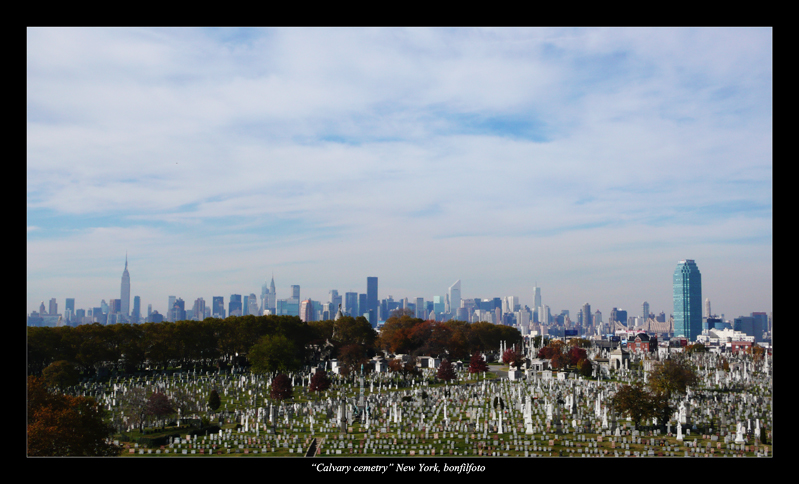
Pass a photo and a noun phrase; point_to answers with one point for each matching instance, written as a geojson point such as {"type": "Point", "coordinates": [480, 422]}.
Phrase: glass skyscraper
{"type": "Point", "coordinates": [371, 300]}
{"type": "Point", "coordinates": [687, 300]}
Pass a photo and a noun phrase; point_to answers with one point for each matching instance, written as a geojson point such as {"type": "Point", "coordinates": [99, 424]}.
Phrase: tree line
{"type": "Point", "coordinates": [269, 343]}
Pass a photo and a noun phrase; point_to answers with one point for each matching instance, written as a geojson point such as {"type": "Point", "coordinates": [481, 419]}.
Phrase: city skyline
{"type": "Point", "coordinates": [586, 162]}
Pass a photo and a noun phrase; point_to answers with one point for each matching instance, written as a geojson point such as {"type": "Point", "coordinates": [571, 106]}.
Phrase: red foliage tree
{"type": "Point", "coordinates": [319, 382]}
{"type": "Point", "coordinates": [159, 405]}
{"type": "Point", "coordinates": [445, 371]}
{"type": "Point", "coordinates": [576, 354]}
{"type": "Point", "coordinates": [512, 357]}
{"type": "Point", "coordinates": [477, 364]}
{"type": "Point", "coordinates": [281, 388]}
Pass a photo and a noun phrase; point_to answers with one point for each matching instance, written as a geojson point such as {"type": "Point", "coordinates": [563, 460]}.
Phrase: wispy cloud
{"type": "Point", "coordinates": [233, 151]}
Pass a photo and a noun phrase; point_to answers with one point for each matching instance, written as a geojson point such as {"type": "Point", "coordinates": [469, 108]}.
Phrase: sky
{"type": "Point", "coordinates": [586, 161]}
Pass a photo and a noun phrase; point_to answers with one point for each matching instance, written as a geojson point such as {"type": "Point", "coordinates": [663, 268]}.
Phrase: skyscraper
{"type": "Point", "coordinates": [455, 296]}
{"type": "Point", "coordinates": [371, 300]}
{"type": "Point", "coordinates": [306, 311]}
{"type": "Point", "coordinates": [536, 297]}
{"type": "Point", "coordinates": [645, 310]}
{"type": "Point", "coordinates": [218, 307]}
{"type": "Point", "coordinates": [136, 314]}
{"type": "Point", "coordinates": [125, 292]}
{"type": "Point", "coordinates": [351, 304]}
{"type": "Point", "coordinates": [687, 300]}
{"type": "Point", "coordinates": [169, 307]}
{"type": "Point", "coordinates": [53, 307]}
{"type": "Point", "coordinates": [234, 306]}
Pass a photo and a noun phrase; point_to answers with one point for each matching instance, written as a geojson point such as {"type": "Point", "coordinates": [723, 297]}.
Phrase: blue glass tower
{"type": "Point", "coordinates": [687, 300]}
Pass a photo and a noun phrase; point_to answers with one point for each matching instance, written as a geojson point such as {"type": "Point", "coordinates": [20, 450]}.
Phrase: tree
{"type": "Point", "coordinates": [62, 425]}
{"type": "Point", "coordinates": [281, 388]}
{"type": "Point", "coordinates": [159, 406]}
{"type": "Point", "coordinates": [633, 401]}
{"type": "Point", "coordinates": [559, 360]}
{"type": "Point", "coordinates": [672, 376]}
{"type": "Point", "coordinates": [477, 364]}
{"type": "Point", "coordinates": [61, 374]}
{"type": "Point", "coordinates": [134, 402]}
{"type": "Point", "coordinates": [273, 353]}
{"type": "Point", "coordinates": [576, 354]}
{"type": "Point", "coordinates": [214, 402]}
{"type": "Point", "coordinates": [584, 367]}
{"type": "Point", "coordinates": [445, 371]}
{"type": "Point", "coordinates": [512, 357]}
{"type": "Point", "coordinates": [319, 382]}
{"type": "Point", "coordinates": [696, 348]}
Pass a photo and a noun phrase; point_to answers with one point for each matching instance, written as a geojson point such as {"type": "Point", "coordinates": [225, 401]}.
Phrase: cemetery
{"type": "Point", "coordinates": [504, 412]}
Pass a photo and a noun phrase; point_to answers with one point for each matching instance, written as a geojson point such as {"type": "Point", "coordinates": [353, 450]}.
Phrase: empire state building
{"type": "Point", "coordinates": [125, 293]}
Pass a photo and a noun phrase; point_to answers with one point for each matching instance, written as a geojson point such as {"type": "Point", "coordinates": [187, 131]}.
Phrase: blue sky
{"type": "Point", "coordinates": [589, 161]}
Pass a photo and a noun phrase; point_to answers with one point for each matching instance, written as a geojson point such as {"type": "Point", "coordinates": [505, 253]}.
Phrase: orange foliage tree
{"type": "Point", "coordinates": [62, 425]}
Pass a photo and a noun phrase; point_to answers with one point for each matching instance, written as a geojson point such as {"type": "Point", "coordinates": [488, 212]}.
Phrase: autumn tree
{"type": "Point", "coordinates": [633, 401]}
{"type": "Point", "coordinates": [352, 356]}
{"type": "Point", "coordinates": [281, 389]}
{"type": "Point", "coordinates": [320, 382]}
{"type": "Point", "coordinates": [559, 361]}
{"type": "Point", "coordinates": [159, 405]}
{"type": "Point", "coordinates": [477, 364]}
{"type": "Point", "coordinates": [513, 357]}
{"type": "Point", "coordinates": [672, 377]}
{"type": "Point", "coordinates": [62, 425]}
{"type": "Point", "coordinates": [576, 354]}
{"type": "Point", "coordinates": [445, 371]}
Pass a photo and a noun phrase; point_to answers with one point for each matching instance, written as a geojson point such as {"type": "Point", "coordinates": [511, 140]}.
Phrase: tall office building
{"type": "Point", "coordinates": [53, 307]}
{"type": "Point", "coordinates": [371, 300]}
{"type": "Point", "coordinates": [645, 311]}
{"type": "Point", "coordinates": [169, 307]}
{"type": "Point", "coordinates": [536, 297]}
{"type": "Point", "coordinates": [306, 311]}
{"type": "Point", "coordinates": [125, 292]}
{"type": "Point", "coordinates": [363, 306]}
{"type": "Point", "coordinates": [295, 292]}
{"type": "Point", "coordinates": [707, 308]}
{"type": "Point", "coordinates": [587, 316]}
{"type": "Point", "coordinates": [268, 297]}
{"type": "Point", "coordinates": [135, 316]}
{"type": "Point", "coordinates": [687, 285]}
{"type": "Point", "coordinates": [421, 312]}
{"type": "Point", "coordinates": [218, 307]}
{"type": "Point", "coordinates": [234, 306]}
{"type": "Point", "coordinates": [455, 297]}
{"type": "Point", "coordinates": [253, 305]}
{"type": "Point", "coordinates": [198, 310]}
{"type": "Point", "coordinates": [350, 304]}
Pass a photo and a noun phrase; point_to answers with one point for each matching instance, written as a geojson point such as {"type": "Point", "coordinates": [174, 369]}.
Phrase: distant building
{"type": "Point", "coordinates": [687, 285]}
{"type": "Point", "coordinates": [124, 297]}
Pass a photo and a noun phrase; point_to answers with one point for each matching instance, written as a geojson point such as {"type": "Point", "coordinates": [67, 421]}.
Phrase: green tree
{"type": "Point", "coordinates": [214, 402]}
{"type": "Point", "coordinates": [274, 353]}
{"type": "Point", "coordinates": [584, 367]}
{"type": "Point", "coordinates": [61, 374]}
